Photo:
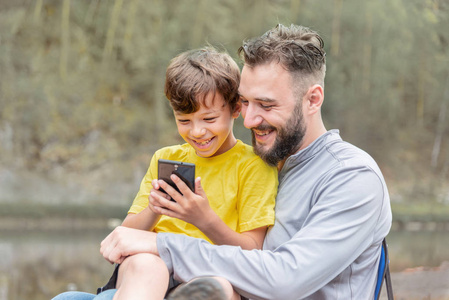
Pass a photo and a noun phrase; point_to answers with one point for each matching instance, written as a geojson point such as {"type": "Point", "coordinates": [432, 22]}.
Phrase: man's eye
{"type": "Point", "coordinates": [244, 102]}
{"type": "Point", "coordinates": [266, 106]}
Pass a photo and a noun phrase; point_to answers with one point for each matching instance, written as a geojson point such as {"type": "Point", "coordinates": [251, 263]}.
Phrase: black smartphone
{"type": "Point", "coordinates": [185, 171]}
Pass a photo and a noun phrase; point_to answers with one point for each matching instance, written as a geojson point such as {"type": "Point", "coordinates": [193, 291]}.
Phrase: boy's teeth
{"type": "Point", "coordinates": [203, 142]}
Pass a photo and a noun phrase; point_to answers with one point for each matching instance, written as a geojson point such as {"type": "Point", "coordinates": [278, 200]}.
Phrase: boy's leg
{"type": "Point", "coordinates": [74, 296]}
{"type": "Point", "coordinates": [106, 295]}
{"type": "Point", "coordinates": [205, 288]}
{"type": "Point", "coordinates": [142, 276]}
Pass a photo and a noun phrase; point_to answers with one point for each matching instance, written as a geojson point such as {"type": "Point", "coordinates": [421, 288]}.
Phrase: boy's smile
{"type": "Point", "coordinates": [209, 130]}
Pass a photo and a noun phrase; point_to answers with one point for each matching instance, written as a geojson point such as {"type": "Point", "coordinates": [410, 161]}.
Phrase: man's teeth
{"type": "Point", "coordinates": [262, 132]}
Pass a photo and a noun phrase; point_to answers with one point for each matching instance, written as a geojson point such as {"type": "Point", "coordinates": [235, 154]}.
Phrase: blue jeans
{"type": "Point", "coordinates": [106, 295]}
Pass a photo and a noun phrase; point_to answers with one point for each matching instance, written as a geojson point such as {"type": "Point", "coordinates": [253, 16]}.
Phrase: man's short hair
{"type": "Point", "coordinates": [298, 49]}
{"type": "Point", "coordinates": [194, 74]}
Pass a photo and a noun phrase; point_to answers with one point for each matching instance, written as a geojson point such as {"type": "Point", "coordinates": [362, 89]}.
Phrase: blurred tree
{"type": "Point", "coordinates": [81, 87]}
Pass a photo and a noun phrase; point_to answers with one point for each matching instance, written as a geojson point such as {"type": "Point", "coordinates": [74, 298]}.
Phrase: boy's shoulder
{"type": "Point", "coordinates": [174, 152]}
{"type": "Point", "coordinates": [246, 153]}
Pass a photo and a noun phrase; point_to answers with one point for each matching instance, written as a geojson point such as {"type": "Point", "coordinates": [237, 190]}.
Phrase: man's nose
{"type": "Point", "coordinates": [251, 117]}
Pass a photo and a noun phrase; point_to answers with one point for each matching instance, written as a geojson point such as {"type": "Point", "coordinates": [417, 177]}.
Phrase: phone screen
{"type": "Point", "coordinates": [185, 171]}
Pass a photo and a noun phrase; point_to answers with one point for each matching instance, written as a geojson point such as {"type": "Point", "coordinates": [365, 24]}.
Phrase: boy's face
{"type": "Point", "coordinates": [209, 130]}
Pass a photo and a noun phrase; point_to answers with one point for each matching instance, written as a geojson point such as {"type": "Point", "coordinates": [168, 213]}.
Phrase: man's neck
{"type": "Point", "coordinates": [309, 138]}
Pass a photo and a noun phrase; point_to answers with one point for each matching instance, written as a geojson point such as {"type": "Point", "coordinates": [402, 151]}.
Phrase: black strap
{"type": "Point", "coordinates": [111, 283]}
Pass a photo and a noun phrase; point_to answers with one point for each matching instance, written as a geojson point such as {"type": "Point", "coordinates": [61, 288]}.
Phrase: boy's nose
{"type": "Point", "coordinates": [198, 131]}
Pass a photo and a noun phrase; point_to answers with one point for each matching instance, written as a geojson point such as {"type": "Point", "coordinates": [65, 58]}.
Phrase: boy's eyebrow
{"type": "Point", "coordinates": [212, 111]}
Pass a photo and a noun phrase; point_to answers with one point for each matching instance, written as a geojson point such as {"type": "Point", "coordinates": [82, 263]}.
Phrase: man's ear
{"type": "Point", "coordinates": [314, 98]}
{"type": "Point", "coordinates": [237, 109]}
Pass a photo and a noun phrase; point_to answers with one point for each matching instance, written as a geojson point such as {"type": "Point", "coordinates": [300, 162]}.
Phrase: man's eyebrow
{"type": "Point", "coordinates": [266, 100]}
{"type": "Point", "coordinates": [261, 99]}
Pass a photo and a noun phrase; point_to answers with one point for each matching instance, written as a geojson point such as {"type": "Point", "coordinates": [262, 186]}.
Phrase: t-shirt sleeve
{"type": "Point", "coordinates": [258, 185]}
{"type": "Point", "coordinates": [141, 200]}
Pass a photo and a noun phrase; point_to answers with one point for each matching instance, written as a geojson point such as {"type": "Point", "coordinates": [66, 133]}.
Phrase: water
{"type": "Point", "coordinates": [39, 265]}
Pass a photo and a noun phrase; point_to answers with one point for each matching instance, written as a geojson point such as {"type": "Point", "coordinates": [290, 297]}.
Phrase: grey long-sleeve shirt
{"type": "Point", "coordinates": [332, 213]}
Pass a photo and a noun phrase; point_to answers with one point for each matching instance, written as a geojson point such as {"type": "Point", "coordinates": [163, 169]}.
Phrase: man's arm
{"type": "Point", "coordinates": [339, 228]}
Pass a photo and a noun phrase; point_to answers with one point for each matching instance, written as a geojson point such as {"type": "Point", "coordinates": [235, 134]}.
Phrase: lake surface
{"type": "Point", "coordinates": [39, 265]}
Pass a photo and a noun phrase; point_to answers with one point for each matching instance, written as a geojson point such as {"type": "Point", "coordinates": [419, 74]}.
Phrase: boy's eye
{"type": "Point", "coordinates": [210, 119]}
{"type": "Point", "coordinates": [183, 121]}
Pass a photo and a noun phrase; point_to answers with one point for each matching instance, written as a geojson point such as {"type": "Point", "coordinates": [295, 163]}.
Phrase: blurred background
{"type": "Point", "coordinates": [82, 110]}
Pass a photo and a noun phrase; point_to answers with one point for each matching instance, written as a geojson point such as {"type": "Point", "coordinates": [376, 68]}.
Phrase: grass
{"type": "Point", "coordinates": [420, 212]}
{"type": "Point", "coordinates": [402, 212]}
{"type": "Point", "coordinates": [38, 211]}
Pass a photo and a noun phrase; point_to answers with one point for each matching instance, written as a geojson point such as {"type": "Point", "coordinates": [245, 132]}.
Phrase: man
{"type": "Point", "coordinates": [332, 207]}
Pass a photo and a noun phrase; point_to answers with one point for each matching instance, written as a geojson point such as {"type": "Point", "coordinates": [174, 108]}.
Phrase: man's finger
{"type": "Point", "coordinates": [107, 245]}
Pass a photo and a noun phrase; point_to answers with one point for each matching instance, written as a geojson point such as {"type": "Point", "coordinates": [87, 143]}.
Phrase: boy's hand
{"type": "Point", "coordinates": [190, 207]}
{"type": "Point", "coordinates": [158, 192]}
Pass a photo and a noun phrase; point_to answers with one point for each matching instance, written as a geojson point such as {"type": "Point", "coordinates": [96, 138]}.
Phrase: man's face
{"type": "Point", "coordinates": [271, 111]}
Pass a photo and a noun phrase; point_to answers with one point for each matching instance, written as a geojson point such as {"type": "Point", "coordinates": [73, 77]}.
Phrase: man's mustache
{"type": "Point", "coordinates": [263, 127]}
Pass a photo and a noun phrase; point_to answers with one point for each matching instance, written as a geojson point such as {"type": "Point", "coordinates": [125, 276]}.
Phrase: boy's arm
{"type": "Point", "coordinates": [199, 213]}
{"type": "Point", "coordinates": [145, 220]}
{"type": "Point", "coordinates": [140, 215]}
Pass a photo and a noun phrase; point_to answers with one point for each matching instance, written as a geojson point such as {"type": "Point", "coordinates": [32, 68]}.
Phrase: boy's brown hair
{"type": "Point", "coordinates": [193, 74]}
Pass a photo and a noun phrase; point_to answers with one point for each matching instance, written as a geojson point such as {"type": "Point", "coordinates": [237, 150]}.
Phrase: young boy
{"type": "Point", "coordinates": [237, 203]}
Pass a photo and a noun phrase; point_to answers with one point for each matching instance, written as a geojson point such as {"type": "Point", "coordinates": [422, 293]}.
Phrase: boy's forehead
{"type": "Point", "coordinates": [211, 99]}
{"type": "Point", "coordinates": [211, 103]}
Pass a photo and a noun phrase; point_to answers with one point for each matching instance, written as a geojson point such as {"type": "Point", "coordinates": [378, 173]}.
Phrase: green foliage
{"type": "Point", "coordinates": [81, 82]}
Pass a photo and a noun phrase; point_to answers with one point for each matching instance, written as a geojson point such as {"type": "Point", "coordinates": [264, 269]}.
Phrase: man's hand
{"type": "Point", "coordinates": [190, 207]}
{"type": "Point", "coordinates": [123, 242]}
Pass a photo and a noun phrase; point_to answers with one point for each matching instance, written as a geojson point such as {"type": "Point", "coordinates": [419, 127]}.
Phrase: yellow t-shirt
{"type": "Point", "coordinates": [240, 187]}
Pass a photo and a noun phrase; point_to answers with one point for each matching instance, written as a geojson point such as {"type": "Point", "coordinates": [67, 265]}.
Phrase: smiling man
{"type": "Point", "coordinates": [332, 207]}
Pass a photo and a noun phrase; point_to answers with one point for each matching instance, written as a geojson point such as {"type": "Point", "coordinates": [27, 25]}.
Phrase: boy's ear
{"type": "Point", "coordinates": [237, 109]}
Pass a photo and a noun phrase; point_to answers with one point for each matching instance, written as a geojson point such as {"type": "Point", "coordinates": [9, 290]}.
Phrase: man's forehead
{"type": "Point", "coordinates": [265, 82]}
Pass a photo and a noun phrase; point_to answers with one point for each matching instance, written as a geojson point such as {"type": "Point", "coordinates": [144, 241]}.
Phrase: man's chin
{"type": "Point", "coordinates": [266, 155]}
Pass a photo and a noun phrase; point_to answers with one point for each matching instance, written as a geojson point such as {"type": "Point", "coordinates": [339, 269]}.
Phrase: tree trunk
{"type": "Point", "coordinates": [440, 127]}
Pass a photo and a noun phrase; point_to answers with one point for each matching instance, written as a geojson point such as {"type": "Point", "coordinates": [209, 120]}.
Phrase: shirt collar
{"type": "Point", "coordinates": [316, 146]}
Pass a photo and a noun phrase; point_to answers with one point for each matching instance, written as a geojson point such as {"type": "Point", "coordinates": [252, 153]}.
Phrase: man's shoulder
{"type": "Point", "coordinates": [347, 153]}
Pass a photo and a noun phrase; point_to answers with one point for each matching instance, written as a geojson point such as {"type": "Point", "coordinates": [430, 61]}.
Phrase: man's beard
{"type": "Point", "coordinates": [288, 140]}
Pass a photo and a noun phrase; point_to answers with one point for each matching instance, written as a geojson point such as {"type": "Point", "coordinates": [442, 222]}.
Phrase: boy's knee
{"type": "Point", "coordinates": [144, 263]}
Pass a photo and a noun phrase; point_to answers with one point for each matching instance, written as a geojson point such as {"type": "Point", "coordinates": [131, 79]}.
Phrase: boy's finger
{"type": "Point", "coordinates": [185, 190]}
{"type": "Point", "coordinates": [155, 184]}
{"type": "Point", "coordinates": [170, 190]}
{"type": "Point", "coordinates": [160, 200]}
{"type": "Point", "coordinates": [166, 212]}
{"type": "Point", "coordinates": [199, 188]}
{"type": "Point", "coordinates": [160, 193]}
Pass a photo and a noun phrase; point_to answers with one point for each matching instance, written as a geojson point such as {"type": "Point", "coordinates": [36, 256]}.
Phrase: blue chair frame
{"type": "Point", "coordinates": [384, 273]}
